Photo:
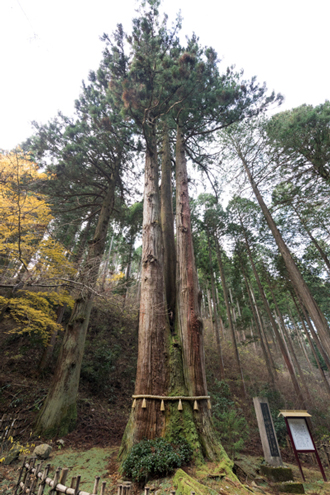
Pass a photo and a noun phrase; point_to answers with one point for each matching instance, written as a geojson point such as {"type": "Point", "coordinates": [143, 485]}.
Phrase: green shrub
{"type": "Point", "coordinates": [229, 420]}
{"type": "Point", "coordinates": [158, 457]}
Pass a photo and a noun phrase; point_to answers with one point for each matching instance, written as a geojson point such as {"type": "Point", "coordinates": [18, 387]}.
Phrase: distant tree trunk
{"type": "Point", "coordinates": [263, 331]}
{"type": "Point", "coordinates": [312, 238]}
{"type": "Point", "coordinates": [311, 344]}
{"type": "Point", "coordinates": [315, 336]}
{"type": "Point", "coordinates": [256, 322]}
{"type": "Point", "coordinates": [216, 320]}
{"type": "Point", "coordinates": [301, 340]}
{"type": "Point", "coordinates": [106, 266]}
{"type": "Point", "coordinates": [288, 337]}
{"type": "Point", "coordinates": [230, 321]}
{"type": "Point", "coordinates": [284, 352]}
{"type": "Point", "coordinates": [59, 413]}
{"type": "Point", "coordinates": [295, 275]}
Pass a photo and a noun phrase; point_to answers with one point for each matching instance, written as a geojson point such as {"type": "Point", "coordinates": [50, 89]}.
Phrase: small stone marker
{"type": "Point", "coordinates": [267, 432]}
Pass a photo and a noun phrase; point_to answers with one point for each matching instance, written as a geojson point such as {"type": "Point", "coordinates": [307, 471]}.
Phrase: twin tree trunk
{"type": "Point", "coordinates": [59, 413]}
{"type": "Point", "coordinates": [170, 356]}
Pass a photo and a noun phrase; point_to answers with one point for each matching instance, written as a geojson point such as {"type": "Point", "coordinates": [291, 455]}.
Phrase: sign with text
{"type": "Point", "coordinates": [267, 432]}
{"type": "Point", "coordinates": [300, 434]}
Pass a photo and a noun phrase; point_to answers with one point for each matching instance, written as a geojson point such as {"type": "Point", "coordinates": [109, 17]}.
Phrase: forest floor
{"type": "Point", "coordinates": [102, 462]}
{"type": "Point", "coordinates": [91, 449]}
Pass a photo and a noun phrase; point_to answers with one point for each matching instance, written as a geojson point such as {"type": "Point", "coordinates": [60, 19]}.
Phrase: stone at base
{"type": "Point", "coordinates": [290, 487]}
{"type": "Point", "coordinates": [277, 473]}
{"type": "Point", "coordinates": [42, 451]}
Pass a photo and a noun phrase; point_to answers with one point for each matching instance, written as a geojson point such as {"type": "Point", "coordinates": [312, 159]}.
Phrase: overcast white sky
{"type": "Point", "coordinates": [48, 47]}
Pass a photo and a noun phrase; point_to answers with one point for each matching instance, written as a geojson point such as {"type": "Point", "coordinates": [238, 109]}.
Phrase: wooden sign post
{"type": "Point", "coordinates": [267, 432]}
{"type": "Point", "coordinates": [301, 437]}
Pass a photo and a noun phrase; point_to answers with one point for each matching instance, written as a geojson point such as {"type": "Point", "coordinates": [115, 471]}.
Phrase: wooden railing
{"type": "Point", "coordinates": [33, 480]}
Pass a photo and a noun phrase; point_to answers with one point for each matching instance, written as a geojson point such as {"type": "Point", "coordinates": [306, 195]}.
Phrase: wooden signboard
{"type": "Point", "coordinates": [301, 437]}
{"type": "Point", "coordinates": [267, 432]}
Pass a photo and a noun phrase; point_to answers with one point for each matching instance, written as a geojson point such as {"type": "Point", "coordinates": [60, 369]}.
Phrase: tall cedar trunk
{"type": "Point", "coordinates": [301, 340]}
{"type": "Point", "coordinates": [189, 322]}
{"type": "Point", "coordinates": [152, 376]}
{"type": "Point", "coordinates": [215, 312]}
{"type": "Point", "coordinates": [288, 337]}
{"type": "Point", "coordinates": [295, 275]}
{"type": "Point", "coordinates": [263, 331]}
{"type": "Point", "coordinates": [106, 265]}
{"type": "Point", "coordinates": [59, 413]}
{"type": "Point", "coordinates": [312, 238]}
{"type": "Point", "coordinates": [77, 258]}
{"type": "Point", "coordinates": [311, 344]}
{"type": "Point", "coordinates": [229, 318]}
{"type": "Point", "coordinates": [285, 355]}
{"type": "Point", "coordinates": [48, 350]}
{"type": "Point", "coordinates": [167, 222]}
{"type": "Point", "coordinates": [256, 322]}
{"type": "Point", "coordinates": [316, 339]}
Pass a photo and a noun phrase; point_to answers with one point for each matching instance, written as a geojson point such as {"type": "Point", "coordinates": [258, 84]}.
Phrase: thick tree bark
{"type": "Point", "coordinates": [48, 350]}
{"type": "Point", "coordinates": [284, 352]}
{"type": "Point", "coordinates": [153, 375]}
{"type": "Point", "coordinates": [170, 363]}
{"type": "Point", "coordinates": [189, 322]}
{"type": "Point", "coordinates": [229, 318]}
{"type": "Point", "coordinates": [59, 413]}
{"type": "Point", "coordinates": [167, 222]}
{"type": "Point", "coordinates": [295, 275]}
{"type": "Point", "coordinates": [215, 312]}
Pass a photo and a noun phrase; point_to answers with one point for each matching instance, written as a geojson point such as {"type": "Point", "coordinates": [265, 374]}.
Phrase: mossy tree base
{"type": "Point", "coordinates": [185, 484]}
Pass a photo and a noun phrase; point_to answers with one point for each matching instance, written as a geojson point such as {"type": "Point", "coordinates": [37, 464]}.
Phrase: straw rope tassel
{"type": "Point", "coordinates": [144, 404]}
{"type": "Point", "coordinates": [134, 404]}
{"type": "Point", "coordinates": [195, 406]}
{"type": "Point", "coordinates": [162, 406]}
{"type": "Point", "coordinates": [209, 404]}
{"type": "Point", "coordinates": [180, 405]}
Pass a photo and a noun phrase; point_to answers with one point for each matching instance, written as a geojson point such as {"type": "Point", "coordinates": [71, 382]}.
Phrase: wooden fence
{"type": "Point", "coordinates": [33, 479]}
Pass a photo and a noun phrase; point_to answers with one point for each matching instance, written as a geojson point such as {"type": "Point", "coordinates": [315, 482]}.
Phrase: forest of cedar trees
{"type": "Point", "coordinates": [170, 239]}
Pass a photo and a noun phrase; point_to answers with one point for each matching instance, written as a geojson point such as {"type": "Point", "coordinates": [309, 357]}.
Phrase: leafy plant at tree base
{"type": "Point", "coordinates": [234, 430]}
{"type": "Point", "coordinates": [233, 427]}
{"type": "Point", "coordinates": [157, 457]}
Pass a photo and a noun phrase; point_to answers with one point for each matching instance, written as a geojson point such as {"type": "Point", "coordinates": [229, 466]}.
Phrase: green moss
{"type": "Point", "coordinates": [185, 485]}
{"type": "Point", "coordinates": [65, 422]}
{"type": "Point", "coordinates": [277, 473]}
{"type": "Point", "coordinates": [291, 487]}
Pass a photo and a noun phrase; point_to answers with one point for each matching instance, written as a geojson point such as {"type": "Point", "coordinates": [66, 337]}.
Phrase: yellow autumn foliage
{"type": "Point", "coordinates": [26, 244]}
{"type": "Point", "coordinates": [34, 312]}
{"type": "Point", "coordinates": [24, 214]}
